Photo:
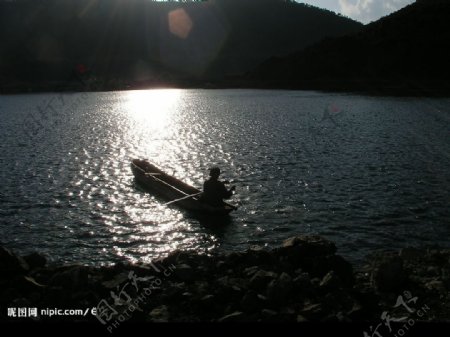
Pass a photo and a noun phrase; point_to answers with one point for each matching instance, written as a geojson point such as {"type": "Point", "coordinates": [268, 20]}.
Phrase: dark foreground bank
{"type": "Point", "coordinates": [302, 281]}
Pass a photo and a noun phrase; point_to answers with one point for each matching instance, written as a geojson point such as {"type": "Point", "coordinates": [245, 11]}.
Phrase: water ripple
{"type": "Point", "coordinates": [377, 177]}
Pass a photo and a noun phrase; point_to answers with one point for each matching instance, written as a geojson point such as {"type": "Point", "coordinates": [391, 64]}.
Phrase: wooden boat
{"type": "Point", "coordinates": [174, 190]}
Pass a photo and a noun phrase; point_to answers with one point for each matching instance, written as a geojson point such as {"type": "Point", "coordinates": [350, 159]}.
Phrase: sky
{"type": "Point", "coordinates": [364, 11]}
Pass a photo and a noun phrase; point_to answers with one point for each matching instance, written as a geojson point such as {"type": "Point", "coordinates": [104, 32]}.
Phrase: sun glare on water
{"type": "Point", "coordinates": [153, 116]}
{"type": "Point", "coordinates": [153, 108]}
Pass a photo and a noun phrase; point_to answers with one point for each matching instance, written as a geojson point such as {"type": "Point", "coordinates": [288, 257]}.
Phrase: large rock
{"type": "Point", "coordinates": [446, 276]}
{"type": "Point", "coordinates": [75, 277]}
{"type": "Point", "coordinates": [309, 246]}
{"type": "Point", "coordinates": [411, 253]}
{"type": "Point", "coordinates": [278, 290]}
{"type": "Point", "coordinates": [251, 302]}
{"type": "Point", "coordinates": [117, 281]}
{"type": "Point", "coordinates": [229, 289]}
{"type": "Point", "coordinates": [322, 265]}
{"type": "Point", "coordinates": [178, 257]}
{"type": "Point", "coordinates": [257, 255]}
{"type": "Point", "coordinates": [35, 260]}
{"type": "Point", "coordinates": [11, 264]}
{"type": "Point", "coordinates": [388, 273]}
{"type": "Point", "coordinates": [235, 258]}
{"type": "Point", "coordinates": [303, 286]}
{"type": "Point", "coordinates": [184, 272]}
{"type": "Point", "coordinates": [261, 279]}
{"type": "Point", "coordinates": [173, 293]}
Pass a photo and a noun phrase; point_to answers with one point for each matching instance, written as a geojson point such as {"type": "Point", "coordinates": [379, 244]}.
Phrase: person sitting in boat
{"type": "Point", "coordinates": [214, 191]}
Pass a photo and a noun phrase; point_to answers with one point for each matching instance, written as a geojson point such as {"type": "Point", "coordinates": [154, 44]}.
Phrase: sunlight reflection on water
{"type": "Point", "coordinates": [375, 173]}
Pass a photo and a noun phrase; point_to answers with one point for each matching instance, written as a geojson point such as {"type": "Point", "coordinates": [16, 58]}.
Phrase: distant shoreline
{"type": "Point", "coordinates": [438, 89]}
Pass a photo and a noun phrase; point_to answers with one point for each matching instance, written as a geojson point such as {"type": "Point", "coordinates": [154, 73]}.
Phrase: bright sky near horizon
{"type": "Point", "coordinates": [364, 11]}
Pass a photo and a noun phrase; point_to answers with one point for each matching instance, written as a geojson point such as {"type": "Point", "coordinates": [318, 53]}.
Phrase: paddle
{"type": "Point", "coordinates": [185, 197]}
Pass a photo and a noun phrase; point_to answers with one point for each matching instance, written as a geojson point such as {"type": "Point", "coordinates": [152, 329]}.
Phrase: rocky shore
{"type": "Point", "coordinates": [304, 280]}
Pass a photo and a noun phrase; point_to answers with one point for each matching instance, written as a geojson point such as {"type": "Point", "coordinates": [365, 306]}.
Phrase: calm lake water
{"type": "Point", "coordinates": [367, 172]}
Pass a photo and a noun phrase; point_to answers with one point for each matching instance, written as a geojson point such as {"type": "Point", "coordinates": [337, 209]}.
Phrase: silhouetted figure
{"type": "Point", "coordinates": [214, 191]}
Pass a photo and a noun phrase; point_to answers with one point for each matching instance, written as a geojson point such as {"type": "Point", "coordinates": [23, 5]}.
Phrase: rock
{"type": "Point", "coordinates": [224, 281]}
{"type": "Point", "coordinates": [286, 286]}
{"type": "Point", "coordinates": [410, 253]}
{"type": "Point", "coordinates": [11, 264]}
{"type": "Point", "coordinates": [201, 287]}
{"type": "Point", "coordinates": [262, 298]}
{"type": "Point", "coordinates": [35, 260]}
{"type": "Point", "coordinates": [184, 272]}
{"type": "Point", "coordinates": [261, 278]}
{"type": "Point", "coordinates": [330, 282]}
{"type": "Point", "coordinates": [341, 317]}
{"type": "Point", "coordinates": [186, 295]}
{"type": "Point", "coordinates": [389, 274]}
{"type": "Point", "coordinates": [356, 313]}
{"type": "Point", "coordinates": [229, 289]}
{"type": "Point", "coordinates": [236, 288]}
{"type": "Point", "coordinates": [301, 319]}
{"type": "Point", "coordinates": [315, 282]}
{"type": "Point", "coordinates": [302, 285]}
{"type": "Point", "coordinates": [20, 303]}
{"type": "Point", "coordinates": [269, 315]}
{"type": "Point", "coordinates": [173, 292]}
{"type": "Point", "coordinates": [310, 245]}
{"type": "Point", "coordinates": [235, 258]}
{"type": "Point", "coordinates": [28, 284]}
{"type": "Point", "coordinates": [208, 300]}
{"type": "Point", "coordinates": [178, 257]}
{"type": "Point", "coordinates": [76, 277]}
{"type": "Point", "coordinates": [338, 300]}
{"type": "Point", "coordinates": [433, 271]}
{"type": "Point", "coordinates": [321, 265]}
{"type": "Point", "coordinates": [250, 271]}
{"type": "Point", "coordinates": [285, 265]}
{"type": "Point", "coordinates": [117, 281]}
{"type": "Point", "coordinates": [228, 281]}
{"type": "Point", "coordinates": [279, 289]}
{"type": "Point", "coordinates": [118, 268]}
{"type": "Point", "coordinates": [220, 264]}
{"type": "Point", "coordinates": [313, 311]}
{"type": "Point", "coordinates": [330, 318]}
{"type": "Point", "coordinates": [287, 314]}
{"type": "Point", "coordinates": [436, 285]}
{"type": "Point", "coordinates": [159, 314]}
{"type": "Point", "coordinates": [446, 277]}
{"type": "Point", "coordinates": [255, 248]}
{"type": "Point", "coordinates": [258, 256]}
{"type": "Point", "coordinates": [251, 302]}
{"type": "Point", "coordinates": [236, 316]}
{"type": "Point", "coordinates": [299, 271]}
{"type": "Point", "coordinates": [438, 257]}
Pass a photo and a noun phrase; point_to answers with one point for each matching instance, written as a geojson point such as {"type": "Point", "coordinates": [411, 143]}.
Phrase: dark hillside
{"type": "Point", "coordinates": [408, 49]}
{"type": "Point", "coordinates": [133, 41]}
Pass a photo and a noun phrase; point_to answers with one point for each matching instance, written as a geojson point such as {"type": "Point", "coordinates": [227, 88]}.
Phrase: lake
{"type": "Point", "coordinates": [366, 172]}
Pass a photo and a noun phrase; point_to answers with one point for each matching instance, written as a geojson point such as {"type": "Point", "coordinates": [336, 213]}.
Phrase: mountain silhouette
{"type": "Point", "coordinates": [407, 51]}
{"type": "Point", "coordinates": [122, 42]}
